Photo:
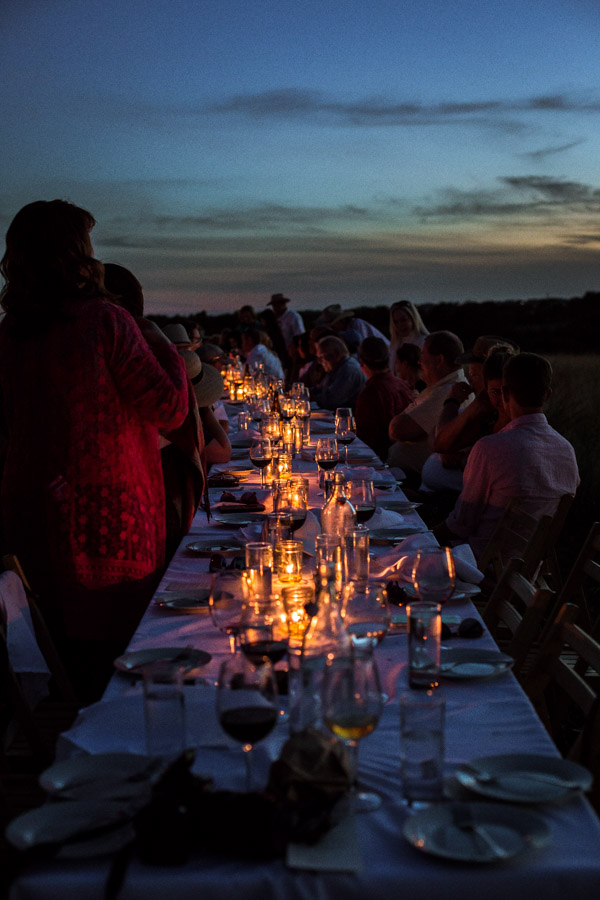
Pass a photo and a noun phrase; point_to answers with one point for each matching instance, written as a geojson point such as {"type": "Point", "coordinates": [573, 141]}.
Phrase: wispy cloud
{"type": "Point", "coordinates": [518, 195]}
{"type": "Point", "coordinates": [303, 104]}
{"type": "Point", "coordinates": [544, 152]}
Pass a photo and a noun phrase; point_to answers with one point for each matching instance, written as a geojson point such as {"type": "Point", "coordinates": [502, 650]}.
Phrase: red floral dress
{"type": "Point", "coordinates": [81, 497]}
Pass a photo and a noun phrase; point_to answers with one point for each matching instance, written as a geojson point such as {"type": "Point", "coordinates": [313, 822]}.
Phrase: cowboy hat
{"type": "Point", "coordinates": [206, 380]}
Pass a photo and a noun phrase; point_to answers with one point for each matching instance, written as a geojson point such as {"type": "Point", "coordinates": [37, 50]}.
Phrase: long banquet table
{"type": "Point", "coordinates": [483, 717]}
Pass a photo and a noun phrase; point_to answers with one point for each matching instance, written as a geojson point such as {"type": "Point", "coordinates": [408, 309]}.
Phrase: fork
{"type": "Point", "coordinates": [464, 820]}
{"type": "Point", "coordinates": [540, 777]}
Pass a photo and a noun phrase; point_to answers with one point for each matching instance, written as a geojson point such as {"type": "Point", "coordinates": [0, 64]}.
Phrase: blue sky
{"type": "Point", "coordinates": [336, 151]}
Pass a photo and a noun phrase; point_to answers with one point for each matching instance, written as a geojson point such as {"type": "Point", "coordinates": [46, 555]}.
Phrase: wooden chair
{"type": "Point", "coordinates": [583, 583]}
{"type": "Point", "coordinates": [516, 612]}
{"type": "Point", "coordinates": [532, 539]}
{"type": "Point", "coordinates": [564, 686]}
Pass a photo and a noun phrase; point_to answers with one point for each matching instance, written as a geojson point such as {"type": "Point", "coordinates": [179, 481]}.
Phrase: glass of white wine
{"type": "Point", "coordinates": [352, 705]}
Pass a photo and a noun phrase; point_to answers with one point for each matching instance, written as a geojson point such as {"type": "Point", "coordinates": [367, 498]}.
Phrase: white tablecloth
{"type": "Point", "coordinates": [488, 716]}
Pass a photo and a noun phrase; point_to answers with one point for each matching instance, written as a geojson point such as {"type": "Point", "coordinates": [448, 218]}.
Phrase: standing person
{"type": "Point", "coordinates": [84, 390]}
{"type": "Point", "coordinates": [289, 321]}
{"type": "Point", "coordinates": [406, 327]}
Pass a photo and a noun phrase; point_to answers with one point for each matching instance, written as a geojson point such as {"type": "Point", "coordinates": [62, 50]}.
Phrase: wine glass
{"type": "Point", "coordinates": [352, 704]}
{"type": "Point", "coordinates": [433, 574]}
{"type": "Point", "coordinates": [345, 428]}
{"type": "Point", "coordinates": [247, 703]}
{"type": "Point", "coordinates": [261, 454]}
{"type": "Point", "coordinates": [263, 629]}
{"type": "Point", "coordinates": [270, 427]}
{"type": "Point", "coordinates": [327, 454]}
{"type": "Point", "coordinates": [366, 613]}
{"type": "Point", "coordinates": [226, 602]}
{"type": "Point", "coordinates": [290, 498]}
{"type": "Point", "coordinates": [361, 494]}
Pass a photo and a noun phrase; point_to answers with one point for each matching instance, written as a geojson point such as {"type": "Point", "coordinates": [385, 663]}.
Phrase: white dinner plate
{"type": "Point", "coordinates": [476, 832]}
{"type": "Point", "coordinates": [93, 775]}
{"type": "Point", "coordinates": [189, 658]}
{"type": "Point", "coordinates": [66, 822]}
{"type": "Point", "coordinates": [462, 591]}
{"type": "Point", "coordinates": [239, 518]}
{"type": "Point", "coordinates": [466, 663]}
{"type": "Point", "coordinates": [393, 535]}
{"type": "Point", "coordinates": [191, 603]}
{"type": "Point", "coordinates": [207, 548]}
{"type": "Point", "coordinates": [524, 777]}
{"type": "Point", "coordinates": [400, 506]}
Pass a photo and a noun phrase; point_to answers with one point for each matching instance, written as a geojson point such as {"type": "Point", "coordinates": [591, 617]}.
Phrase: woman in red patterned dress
{"type": "Point", "coordinates": [82, 396]}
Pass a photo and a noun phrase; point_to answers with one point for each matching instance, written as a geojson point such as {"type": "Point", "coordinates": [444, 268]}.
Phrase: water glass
{"type": "Point", "coordinates": [433, 574]}
{"type": "Point", "coordinates": [356, 555]}
{"type": "Point", "coordinates": [422, 719]}
{"type": "Point", "coordinates": [424, 639]}
{"type": "Point", "coordinates": [328, 549]}
{"type": "Point", "coordinates": [164, 709]}
{"type": "Point", "coordinates": [259, 568]}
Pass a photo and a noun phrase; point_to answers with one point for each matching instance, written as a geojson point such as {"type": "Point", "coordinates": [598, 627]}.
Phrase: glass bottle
{"type": "Point", "coordinates": [338, 515]}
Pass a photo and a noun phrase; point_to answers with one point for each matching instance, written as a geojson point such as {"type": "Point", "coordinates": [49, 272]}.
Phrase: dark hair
{"type": "Point", "coordinates": [48, 259]}
{"type": "Point", "coordinates": [125, 288]}
{"type": "Point", "coordinates": [410, 354]}
{"type": "Point", "coordinates": [496, 360]}
{"type": "Point", "coordinates": [446, 344]}
{"type": "Point", "coordinates": [528, 378]}
{"type": "Point", "coordinates": [373, 352]}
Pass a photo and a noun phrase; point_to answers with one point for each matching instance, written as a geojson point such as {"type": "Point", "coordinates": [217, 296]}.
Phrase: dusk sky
{"type": "Point", "coordinates": [351, 152]}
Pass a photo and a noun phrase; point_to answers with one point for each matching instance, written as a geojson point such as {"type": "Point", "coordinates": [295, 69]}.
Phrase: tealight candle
{"type": "Point", "coordinates": [295, 599]}
{"type": "Point", "coordinates": [288, 561]}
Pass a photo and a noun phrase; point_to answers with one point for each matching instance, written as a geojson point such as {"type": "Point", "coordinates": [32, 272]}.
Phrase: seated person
{"type": "Point", "coordinates": [342, 320]}
{"type": "Point", "coordinates": [343, 379]}
{"type": "Point", "coordinates": [527, 460]}
{"type": "Point", "coordinates": [408, 367]}
{"type": "Point", "coordinates": [413, 430]}
{"type": "Point", "coordinates": [382, 397]}
{"type": "Point", "coordinates": [257, 354]}
{"type": "Point", "coordinates": [457, 431]}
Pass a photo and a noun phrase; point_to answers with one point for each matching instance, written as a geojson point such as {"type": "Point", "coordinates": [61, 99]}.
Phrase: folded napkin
{"type": "Point", "coordinates": [118, 726]}
{"type": "Point", "coordinates": [401, 557]}
{"type": "Point", "coordinates": [385, 518]}
{"type": "Point", "coordinates": [230, 503]}
{"type": "Point", "coordinates": [308, 532]}
{"type": "Point", "coordinates": [25, 656]}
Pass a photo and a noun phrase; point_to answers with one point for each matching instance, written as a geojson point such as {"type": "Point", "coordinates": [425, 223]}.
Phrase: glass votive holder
{"type": "Point", "coordinates": [284, 465]}
{"type": "Point", "coordinates": [288, 561]}
{"type": "Point", "coordinates": [244, 421]}
{"type": "Point", "coordinates": [259, 568]}
{"type": "Point", "coordinates": [296, 598]}
{"type": "Point", "coordinates": [236, 391]}
{"type": "Point", "coordinates": [328, 549]}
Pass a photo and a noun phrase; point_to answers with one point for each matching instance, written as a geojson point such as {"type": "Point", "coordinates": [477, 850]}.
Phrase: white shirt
{"type": "Point", "coordinates": [270, 362]}
{"type": "Point", "coordinates": [290, 324]}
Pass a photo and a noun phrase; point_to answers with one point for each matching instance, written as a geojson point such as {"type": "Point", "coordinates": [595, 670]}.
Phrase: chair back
{"type": "Point", "coordinates": [583, 583]}
{"type": "Point", "coordinates": [516, 611]}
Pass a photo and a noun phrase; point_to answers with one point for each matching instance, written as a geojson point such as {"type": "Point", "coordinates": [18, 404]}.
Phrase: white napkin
{"type": "Point", "coordinates": [308, 532]}
{"type": "Point", "coordinates": [25, 656]}
{"type": "Point", "coordinates": [399, 559]}
{"type": "Point", "coordinates": [384, 518]}
{"type": "Point", "coordinates": [118, 726]}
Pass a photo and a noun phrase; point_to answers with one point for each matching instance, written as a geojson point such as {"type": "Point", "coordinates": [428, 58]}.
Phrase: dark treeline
{"type": "Point", "coordinates": [551, 325]}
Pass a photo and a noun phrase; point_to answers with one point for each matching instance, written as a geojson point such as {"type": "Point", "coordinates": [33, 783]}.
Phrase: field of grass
{"type": "Point", "coordinates": [574, 410]}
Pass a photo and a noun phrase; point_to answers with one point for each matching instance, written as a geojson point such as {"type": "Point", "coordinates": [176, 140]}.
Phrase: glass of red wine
{"type": "Point", "coordinates": [226, 603]}
{"type": "Point", "coordinates": [345, 429]}
{"type": "Point", "coordinates": [327, 454]}
{"type": "Point", "coordinates": [290, 499]}
{"type": "Point", "coordinates": [261, 454]}
{"type": "Point", "coordinates": [361, 494]}
{"type": "Point", "coordinates": [247, 703]}
{"type": "Point", "coordinates": [263, 629]}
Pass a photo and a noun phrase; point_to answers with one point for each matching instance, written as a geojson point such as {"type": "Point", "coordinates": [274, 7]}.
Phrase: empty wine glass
{"type": "Point", "coordinates": [352, 704]}
{"type": "Point", "coordinates": [433, 574]}
{"type": "Point", "coordinates": [226, 603]}
{"type": "Point", "coordinates": [261, 454]}
{"type": "Point", "coordinates": [247, 703]}
{"type": "Point", "coordinates": [361, 494]}
{"type": "Point", "coordinates": [366, 613]}
{"type": "Point", "coordinates": [345, 428]}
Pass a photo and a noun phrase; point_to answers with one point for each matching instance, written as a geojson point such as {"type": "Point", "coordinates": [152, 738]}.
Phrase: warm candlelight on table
{"type": "Point", "coordinates": [288, 560]}
{"type": "Point", "coordinates": [295, 600]}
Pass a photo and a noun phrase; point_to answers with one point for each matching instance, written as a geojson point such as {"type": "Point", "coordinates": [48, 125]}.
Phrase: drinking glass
{"type": "Point", "coordinates": [270, 427]}
{"type": "Point", "coordinates": [261, 454]}
{"type": "Point", "coordinates": [356, 555]}
{"type": "Point", "coordinates": [366, 614]}
{"type": "Point", "coordinates": [263, 629]}
{"type": "Point", "coordinates": [226, 603]}
{"type": "Point", "coordinates": [424, 640]}
{"type": "Point", "coordinates": [351, 706]}
{"type": "Point", "coordinates": [433, 574]}
{"type": "Point", "coordinates": [247, 703]}
{"type": "Point", "coordinates": [361, 494]}
{"type": "Point", "coordinates": [345, 428]}
{"type": "Point", "coordinates": [303, 414]}
{"type": "Point", "coordinates": [421, 747]}
{"type": "Point", "coordinates": [259, 568]}
{"type": "Point", "coordinates": [290, 498]}
{"type": "Point", "coordinates": [327, 454]}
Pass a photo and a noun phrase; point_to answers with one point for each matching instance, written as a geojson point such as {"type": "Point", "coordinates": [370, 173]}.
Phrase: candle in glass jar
{"type": "Point", "coordinates": [288, 561]}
